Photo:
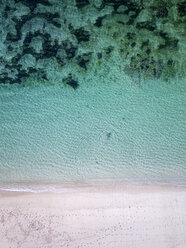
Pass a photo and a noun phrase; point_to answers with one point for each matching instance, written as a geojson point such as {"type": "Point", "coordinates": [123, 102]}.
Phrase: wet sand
{"type": "Point", "coordinates": [91, 217]}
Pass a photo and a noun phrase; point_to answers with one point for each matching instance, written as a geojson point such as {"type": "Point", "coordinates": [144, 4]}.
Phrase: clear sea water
{"type": "Point", "coordinates": [114, 129]}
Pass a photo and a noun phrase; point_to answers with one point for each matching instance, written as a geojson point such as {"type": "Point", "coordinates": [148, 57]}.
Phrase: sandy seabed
{"type": "Point", "coordinates": [125, 216]}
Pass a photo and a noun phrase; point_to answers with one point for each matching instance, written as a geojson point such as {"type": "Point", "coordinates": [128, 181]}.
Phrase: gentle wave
{"type": "Point", "coordinates": [47, 189]}
{"type": "Point", "coordinates": [79, 188]}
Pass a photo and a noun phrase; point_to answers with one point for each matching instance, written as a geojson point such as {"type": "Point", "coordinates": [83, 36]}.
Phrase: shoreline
{"type": "Point", "coordinates": [77, 187]}
{"type": "Point", "coordinates": [83, 186]}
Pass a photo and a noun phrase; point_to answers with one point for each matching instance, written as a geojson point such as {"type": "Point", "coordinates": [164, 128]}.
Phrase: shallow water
{"type": "Point", "coordinates": [115, 131]}
{"type": "Point", "coordinates": [77, 109]}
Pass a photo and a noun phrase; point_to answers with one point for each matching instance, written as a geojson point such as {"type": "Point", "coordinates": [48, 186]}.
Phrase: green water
{"type": "Point", "coordinates": [92, 91]}
{"type": "Point", "coordinates": [114, 131]}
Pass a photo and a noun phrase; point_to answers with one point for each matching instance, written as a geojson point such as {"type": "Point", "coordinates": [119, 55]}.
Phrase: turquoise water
{"type": "Point", "coordinates": [108, 131]}
{"type": "Point", "coordinates": [92, 91]}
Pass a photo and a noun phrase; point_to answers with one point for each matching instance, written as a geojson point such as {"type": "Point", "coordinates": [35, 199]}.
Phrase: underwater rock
{"type": "Point", "coordinates": [27, 61]}
{"type": "Point", "coordinates": [37, 44]}
{"type": "Point", "coordinates": [98, 22]}
{"type": "Point", "coordinates": [81, 3]}
{"type": "Point", "coordinates": [81, 34]}
{"type": "Point", "coordinates": [71, 82]}
{"type": "Point", "coordinates": [144, 16]}
{"type": "Point", "coordinates": [122, 9]}
{"type": "Point", "coordinates": [83, 60]}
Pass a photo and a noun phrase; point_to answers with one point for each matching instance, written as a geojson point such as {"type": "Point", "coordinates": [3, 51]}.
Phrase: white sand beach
{"type": "Point", "coordinates": [107, 217]}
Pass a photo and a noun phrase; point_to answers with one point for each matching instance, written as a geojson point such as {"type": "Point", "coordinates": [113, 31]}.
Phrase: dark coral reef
{"type": "Point", "coordinates": [42, 39]}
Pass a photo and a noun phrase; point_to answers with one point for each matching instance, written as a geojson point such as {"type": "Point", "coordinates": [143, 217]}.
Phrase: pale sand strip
{"type": "Point", "coordinates": [104, 217]}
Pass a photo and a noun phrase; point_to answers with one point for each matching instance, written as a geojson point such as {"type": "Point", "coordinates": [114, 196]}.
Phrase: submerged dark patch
{"type": "Point", "coordinates": [162, 12]}
{"type": "Point", "coordinates": [50, 50]}
{"type": "Point", "coordinates": [71, 82]}
{"type": "Point", "coordinates": [69, 48]}
{"type": "Point", "coordinates": [99, 21]}
{"type": "Point", "coordinates": [82, 3]}
{"type": "Point", "coordinates": [83, 60]}
{"type": "Point", "coordinates": [109, 49]}
{"type": "Point", "coordinates": [81, 34]}
{"type": "Point", "coordinates": [32, 4]}
{"type": "Point", "coordinates": [182, 8]}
